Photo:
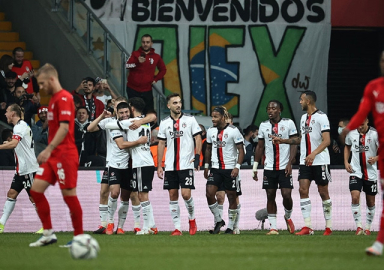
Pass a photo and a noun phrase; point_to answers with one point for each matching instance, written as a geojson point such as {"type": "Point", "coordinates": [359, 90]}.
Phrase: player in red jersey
{"type": "Point", "coordinates": [373, 101]}
{"type": "Point", "coordinates": [59, 161]}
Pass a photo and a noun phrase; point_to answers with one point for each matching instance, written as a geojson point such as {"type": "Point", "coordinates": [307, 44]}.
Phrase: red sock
{"type": "Point", "coordinates": [43, 210]}
{"type": "Point", "coordinates": [380, 236]}
{"type": "Point", "coordinates": [76, 213]}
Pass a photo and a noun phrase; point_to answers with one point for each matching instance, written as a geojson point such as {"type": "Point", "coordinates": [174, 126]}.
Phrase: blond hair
{"type": "Point", "coordinates": [47, 69]}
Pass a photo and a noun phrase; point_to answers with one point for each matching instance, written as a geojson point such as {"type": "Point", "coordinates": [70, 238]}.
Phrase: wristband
{"type": "Point", "coordinates": [206, 166]}
{"type": "Point", "coordinates": [238, 166]}
{"type": "Point", "coordinates": [255, 164]}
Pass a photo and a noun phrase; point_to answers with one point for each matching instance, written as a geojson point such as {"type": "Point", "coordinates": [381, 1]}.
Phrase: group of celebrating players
{"type": "Point", "coordinates": [130, 167]}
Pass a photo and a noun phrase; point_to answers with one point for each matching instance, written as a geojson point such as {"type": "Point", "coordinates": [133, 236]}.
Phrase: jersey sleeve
{"type": "Point", "coordinates": [196, 129]}
{"type": "Point", "coordinates": [324, 122]}
{"type": "Point", "coordinates": [238, 138]}
{"type": "Point", "coordinates": [102, 123]}
{"type": "Point", "coordinates": [116, 134]}
{"type": "Point", "coordinates": [366, 105]}
{"type": "Point", "coordinates": [18, 133]}
{"type": "Point", "coordinates": [66, 109]}
{"type": "Point", "coordinates": [292, 129]}
{"type": "Point", "coordinates": [162, 135]}
{"type": "Point", "coordinates": [120, 125]}
{"type": "Point", "coordinates": [261, 135]}
{"type": "Point", "coordinates": [209, 137]}
{"type": "Point", "coordinates": [348, 140]}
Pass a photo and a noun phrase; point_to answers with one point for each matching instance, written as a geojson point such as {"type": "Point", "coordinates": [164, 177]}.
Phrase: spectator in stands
{"type": "Point", "coordinates": [87, 142]}
{"type": "Point", "coordinates": [7, 155]}
{"type": "Point", "coordinates": [24, 71]}
{"type": "Point", "coordinates": [101, 88]}
{"type": "Point", "coordinates": [94, 106]}
{"type": "Point", "coordinates": [142, 65]}
{"type": "Point", "coordinates": [6, 64]}
{"type": "Point", "coordinates": [78, 101]}
{"type": "Point", "coordinates": [6, 93]}
{"type": "Point", "coordinates": [250, 136]}
{"type": "Point", "coordinates": [109, 104]}
{"type": "Point", "coordinates": [29, 102]}
{"type": "Point", "coordinates": [40, 129]}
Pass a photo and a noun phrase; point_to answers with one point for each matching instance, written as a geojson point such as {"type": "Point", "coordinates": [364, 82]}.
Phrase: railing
{"type": "Point", "coordinates": [101, 44]}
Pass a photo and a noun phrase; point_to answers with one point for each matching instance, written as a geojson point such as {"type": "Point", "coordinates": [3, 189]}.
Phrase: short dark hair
{"type": "Point", "coordinates": [172, 96]}
{"type": "Point", "coordinates": [278, 103]}
{"type": "Point", "coordinates": [250, 128]}
{"type": "Point", "coordinates": [83, 107]}
{"type": "Point", "coordinates": [122, 105]}
{"type": "Point", "coordinates": [77, 99]}
{"type": "Point", "coordinates": [90, 79]}
{"type": "Point", "coordinates": [5, 134]}
{"type": "Point", "coordinates": [310, 94]}
{"type": "Point", "coordinates": [138, 103]}
{"type": "Point", "coordinates": [147, 35]}
{"type": "Point", "coordinates": [17, 49]}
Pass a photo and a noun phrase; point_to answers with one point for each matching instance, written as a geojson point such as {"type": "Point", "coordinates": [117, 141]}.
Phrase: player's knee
{"type": "Point", "coordinates": [115, 194]}
{"type": "Point", "coordinates": [12, 194]}
{"type": "Point", "coordinates": [303, 191]}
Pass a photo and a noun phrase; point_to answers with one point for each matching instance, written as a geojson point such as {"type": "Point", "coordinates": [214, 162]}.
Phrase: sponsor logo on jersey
{"type": "Point", "coordinates": [66, 112]}
{"type": "Point", "coordinates": [306, 130]}
{"type": "Point", "coordinates": [361, 148]}
{"type": "Point", "coordinates": [176, 134]}
{"type": "Point", "coordinates": [219, 144]}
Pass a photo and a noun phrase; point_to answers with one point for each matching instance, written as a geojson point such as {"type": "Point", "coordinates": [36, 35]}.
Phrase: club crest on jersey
{"type": "Point", "coordinates": [323, 168]}
{"type": "Point", "coordinates": [313, 122]}
{"type": "Point", "coordinates": [282, 129]}
{"type": "Point", "coordinates": [112, 174]}
{"type": "Point", "coordinates": [225, 136]}
{"type": "Point", "coordinates": [190, 173]}
{"type": "Point", "coordinates": [369, 141]}
{"type": "Point", "coordinates": [184, 125]}
{"type": "Point", "coordinates": [275, 130]}
{"type": "Point", "coordinates": [59, 165]}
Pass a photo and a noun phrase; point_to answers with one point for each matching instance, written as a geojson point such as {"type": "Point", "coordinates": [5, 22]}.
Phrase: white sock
{"type": "Point", "coordinates": [221, 210]}
{"type": "Point", "coordinates": [112, 205]}
{"type": "Point", "coordinates": [145, 206]}
{"type": "Point", "coordinates": [356, 215]}
{"type": "Point", "coordinates": [272, 221]}
{"type": "Point", "coordinates": [231, 217]}
{"type": "Point", "coordinates": [216, 212]}
{"type": "Point", "coordinates": [190, 207]}
{"type": "Point", "coordinates": [103, 211]}
{"type": "Point", "coordinates": [123, 210]}
{"type": "Point", "coordinates": [47, 232]}
{"type": "Point", "coordinates": [327, 209]}
{"type": "Point", "coordinates": [136, 215]}
{"type": "Point", "coordinates": [305, 205]}
{"type": "Point", "coordinates": [236, 225]}
{"type": "Point", "coordinates": [288, 213]}
{"type": "Point", "coordinates": [7, 210]}
{"type": "Point", "coordinates": [175, 213]}
{"type": "Point", "coordinates": [370, 216]}
{"type": "Point", "coordinates": [152, 223]}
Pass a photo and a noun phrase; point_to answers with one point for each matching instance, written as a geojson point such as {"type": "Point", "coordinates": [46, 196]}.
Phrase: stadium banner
{"type": "Point", "coordinates": [235, 53]}
{"type": "Point", "coordinates": [25, 219]}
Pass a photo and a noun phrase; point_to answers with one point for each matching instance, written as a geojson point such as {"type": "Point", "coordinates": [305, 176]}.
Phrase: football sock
{"type": "Point", "coordinates": [221, 210]}
{"type": "Point", "coordinates": [7, 210]}
{"type": "Point", "coordinates": [370, 216]}
{"type": "Point", "coordinates": [43, 209]}
{"type": "Point", "coordinates": [190, 207]}
{"type": "Point", "coordinates": [231, 217]}
{"type": "Point", "coordinates": [145, 206]}
{"type": "Point", "coordinates": [136, 215]}
{"type": "Point", "coordinates": [175, 213]}
{"type": "Point", "coordinates": [356, 215]}
{"type": "Point", "coordinates": [122, 212]}
{"type": "Point", "coordinates": [215, 211]}
{"type": "Point", "coordinates": [76, 213]}
{"type": "Point", "coordinates": [236, 225]}
{"type": "Point", "coordinates": [272, 221]}
{"type": "Point", "coordinates": [327, 209]}
{"type": "Point", "coordinates": [152, 223]}
{"type": "Point", "coordinates": [112, 205]}
{"type": "Point", "coordinates": [103, 211]}
{"type": "Point", "coordinates": [306, 207]}
{"type": "Point", "coordinates": [288, 213]}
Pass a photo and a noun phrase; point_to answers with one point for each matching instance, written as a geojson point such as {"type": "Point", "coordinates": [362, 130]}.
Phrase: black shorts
{"type": "Point", "coordinates": [176, 179]}
{"type": "Point", "coordinates": [369, 187]}
{"type": "Point", "coordinates": [21, 182]}
{"type": "Point", "coordinates": [120, 177]}
{"type": "Point", "coordinates": [142, 178]}
{"type": "Point", "coordinates": [217, 177]}
{"type": "Point", "coordinates": [238, 187]}
{"type": "Point", "coordinates": [320, 173]}
{"type": "Point", "coordinates": [104, 179]}
{"type": "Point", "coordinates": [277, 179]}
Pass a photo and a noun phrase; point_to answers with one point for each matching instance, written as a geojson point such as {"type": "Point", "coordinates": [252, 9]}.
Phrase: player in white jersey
{"type": "Point", "coordinates": [363, 143]}
{"type": "Point", "coordinates": [180, 131]}
{"type": "Point", "coordinates": [278, 163]}
{"type": "Point", "coordinates": [142, 162]}
{"type": "Point", "coordinates": [314, 160]}
{"type": "Point", "coordinates": [26, 163]}
{"type": "Point", "coordinates": [225, 152]}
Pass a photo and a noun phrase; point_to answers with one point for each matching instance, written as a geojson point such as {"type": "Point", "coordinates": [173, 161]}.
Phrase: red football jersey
{"type": "Point", "coordinates": [25, 67]}
{"type": "Point", "coordinates": [61, 108]}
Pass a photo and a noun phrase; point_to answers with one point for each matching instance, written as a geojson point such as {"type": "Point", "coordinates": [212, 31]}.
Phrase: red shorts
{"type": "Point", "coordinates": [63, 170]}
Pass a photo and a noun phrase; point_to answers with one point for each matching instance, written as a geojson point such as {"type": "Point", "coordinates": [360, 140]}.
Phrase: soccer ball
{"type": "Point", "coordinates": [84, 246]}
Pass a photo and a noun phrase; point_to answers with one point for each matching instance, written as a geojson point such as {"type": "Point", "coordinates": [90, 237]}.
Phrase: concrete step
{"type": "Point", "coordinates": [35, 64]}
{"type": "Point", "coordinates": [9, 36]}
{"type": "Point", "coordinates": [5, 26]}
{"type": "Point", "coordinates": [2, 16]}
{"type": "Point", "coordinates": [10, 45]}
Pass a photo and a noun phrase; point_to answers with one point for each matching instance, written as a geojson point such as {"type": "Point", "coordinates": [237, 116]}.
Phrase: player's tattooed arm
{"type": "Point", "coordinates": [292, 140]}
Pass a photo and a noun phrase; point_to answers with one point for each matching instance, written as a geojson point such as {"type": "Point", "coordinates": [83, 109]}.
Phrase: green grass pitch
{"type": "Point", "coordinates": [249, 250]}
